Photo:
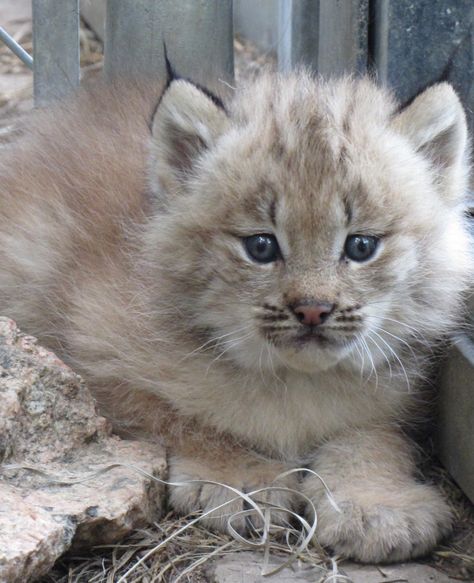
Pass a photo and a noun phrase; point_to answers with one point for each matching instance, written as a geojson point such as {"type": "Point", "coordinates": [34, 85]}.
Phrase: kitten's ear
{"type": "Point", "coordinates": [187, 121]}
{"type": "Point", "coordinates": [436, 125]}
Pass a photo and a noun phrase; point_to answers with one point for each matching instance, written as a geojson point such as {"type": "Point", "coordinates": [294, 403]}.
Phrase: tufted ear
{"type": "Point", "coordinates": [435, 124]}
{"type": "Point", "coordinates": [187, 122]}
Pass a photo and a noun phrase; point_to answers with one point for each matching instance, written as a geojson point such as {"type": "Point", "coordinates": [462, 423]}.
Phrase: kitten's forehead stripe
{"type": "Point", "coordinates": [272, 212]}
{"type": "Point", "coordinates": [347, 210]}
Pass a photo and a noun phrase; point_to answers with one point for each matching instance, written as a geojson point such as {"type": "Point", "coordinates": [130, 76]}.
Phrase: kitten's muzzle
{"type": "Point", "coordinates": [312, 312]}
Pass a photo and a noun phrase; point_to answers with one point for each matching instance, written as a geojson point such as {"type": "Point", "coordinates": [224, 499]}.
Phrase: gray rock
{"type": "Point", "coordinates": [48, 421]}
{"type": "Point", "coordinates": [247, 567]}
{"type": "Point", "coordinates": [406, 573]}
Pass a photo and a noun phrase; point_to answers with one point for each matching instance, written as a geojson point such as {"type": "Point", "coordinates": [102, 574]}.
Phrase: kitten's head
{"type": "Point", "coordinates": [311, 222]}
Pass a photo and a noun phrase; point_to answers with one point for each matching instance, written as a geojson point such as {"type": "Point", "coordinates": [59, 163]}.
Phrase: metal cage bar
{"type": "Point", "coordinates": [17, 49]}
{"type": "Point", "coordinates": [329, 36]}
{"type": "Point", "coordinates": [198, 36]}
{"type": "Point", "coordinates": [55, 49]}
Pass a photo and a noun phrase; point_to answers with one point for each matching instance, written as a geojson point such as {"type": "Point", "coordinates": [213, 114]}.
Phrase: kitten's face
{"type": "Point", "coordinates": [313, 234]}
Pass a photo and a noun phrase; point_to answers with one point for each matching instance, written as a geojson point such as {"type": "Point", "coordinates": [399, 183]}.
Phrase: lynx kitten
{"type": "Point", "coordinates": [258, 284]}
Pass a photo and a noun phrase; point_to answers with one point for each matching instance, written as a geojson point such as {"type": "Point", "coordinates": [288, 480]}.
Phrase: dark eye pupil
{"type": "Point", "coordinates": [262, 248]}
{"type": "Point", "coordinates": [360, 247]}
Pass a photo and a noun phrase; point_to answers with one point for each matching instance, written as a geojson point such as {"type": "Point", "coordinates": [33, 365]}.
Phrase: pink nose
{"type": "Point", "coordinates": [313, 313]}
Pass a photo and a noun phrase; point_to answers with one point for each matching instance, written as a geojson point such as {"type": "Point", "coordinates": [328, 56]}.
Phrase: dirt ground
{"type": "Point", "coordinates": [196, 546]}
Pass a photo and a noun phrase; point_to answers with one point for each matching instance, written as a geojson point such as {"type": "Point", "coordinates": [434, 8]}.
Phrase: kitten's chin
{"type": "Point", "coordinates": [310, 359]}
{"type": "Point", "coordinates": [307, 357]}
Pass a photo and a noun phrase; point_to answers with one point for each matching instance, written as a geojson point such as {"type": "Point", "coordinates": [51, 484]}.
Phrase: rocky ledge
{"type": "Point", "coordinates": [50, 435]}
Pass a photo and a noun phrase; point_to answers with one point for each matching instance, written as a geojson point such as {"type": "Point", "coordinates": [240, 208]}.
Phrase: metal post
{"type": "Point", "coordinates": [416, 44]}
{"type": "Point", "coordinates": [329, 36]}
{"type": "Point", "coordinates": [379, 35]}
{"type": "Point", "coordinates": [55, 48]}
{"type": "Point", "coordinates": [197, 33]}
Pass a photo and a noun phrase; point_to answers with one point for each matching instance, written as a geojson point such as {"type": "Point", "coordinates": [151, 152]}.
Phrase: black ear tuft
{"type": "Point", "coordinates": [216, 100]}
{"type": "Point", "coordinates": [172, 75]}
{"type": "Point", "coordinates": [170, 72]}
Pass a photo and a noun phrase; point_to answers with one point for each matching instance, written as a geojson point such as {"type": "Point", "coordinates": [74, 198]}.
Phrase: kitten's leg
{"type": "Point", "coordinates": [386, 515]}
{"type": "Point", "coordinates": [231, 466]}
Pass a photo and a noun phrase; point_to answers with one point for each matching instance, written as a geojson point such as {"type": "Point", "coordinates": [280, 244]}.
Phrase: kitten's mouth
{"type": "Point", "coordinates": [322, 339]}
{"type": "Point", "coordinates": [314, 337]}
{"type": "Point", "coordinates": [312, 350]}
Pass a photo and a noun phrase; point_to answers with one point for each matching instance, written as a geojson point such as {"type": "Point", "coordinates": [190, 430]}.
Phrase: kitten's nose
{"type": "Point", "coordinates": [312, 312]}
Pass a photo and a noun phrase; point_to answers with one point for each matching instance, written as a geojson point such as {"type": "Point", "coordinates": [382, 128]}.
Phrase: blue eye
{"type": "Point", "coordinates": [360, 247]}
{"type": "Point", "coordinates": [262, 248]}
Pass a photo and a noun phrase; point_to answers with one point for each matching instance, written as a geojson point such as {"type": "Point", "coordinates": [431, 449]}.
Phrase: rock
{"type": "Point", "coordinates": [406, 573]}
{"type": "Point", "coordinates": [247, 567]}
{"type": "Point", "coordinates": [48, 421]}
{"type": "Point", "coordinates": [30, 539]}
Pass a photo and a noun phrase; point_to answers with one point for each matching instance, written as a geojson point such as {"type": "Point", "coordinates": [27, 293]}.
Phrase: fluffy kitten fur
{"type": "Point", "coordinates": [121, 226]}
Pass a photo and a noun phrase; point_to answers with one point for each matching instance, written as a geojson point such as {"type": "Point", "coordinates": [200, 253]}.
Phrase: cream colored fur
{"type": "Point", "coordinates": [121, 247]}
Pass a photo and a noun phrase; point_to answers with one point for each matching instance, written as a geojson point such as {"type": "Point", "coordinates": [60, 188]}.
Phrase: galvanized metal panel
{"type": "Point", "coordinates": [93, 12]}
{"type": "Point", "coordinates": [198, 36]}
{"type": "Point", "coordinates": [55, 48]}
{"type": "Point", "coordinates": [417, 43]}
{"type": "Point", "coordinates": [456, 414]}
{"type": "Point", "coordinates": [329, 36]}
{"type": "Point", "coordinates": [257, 21]}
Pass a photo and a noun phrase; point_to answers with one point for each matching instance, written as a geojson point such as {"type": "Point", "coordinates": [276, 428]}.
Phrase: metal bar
{"type": "Point", "coordinates": [416, 44]}
{"type": "Point", "coordinates": [55, 49]}
{"type": "Point", "coordinates": [197, 33]}
{"type": "Point", "coordinates": [380, 26]}
{"type": "Point", "coordinates": [257, 22]}
{"type": "Point", "coordinates": [455, 408]}
{"type": "Point", "coordinates": [298, 24]}
{"type": "Point", "coordinates": [328, 36]}
{"type": "Point", "coordinates": [17, 49]}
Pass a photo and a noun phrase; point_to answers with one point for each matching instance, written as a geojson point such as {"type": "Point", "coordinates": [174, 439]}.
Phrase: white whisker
{"type": "Point", "coordinates": [214, 340]}
{"type": "Point", "coordinates": [232, 343]}
{"type": "Point", "coordinates": [397, 357]}
{"type": "Point", "coordinates": [410, 348]}
{"type": "Point", "coordinates": [360, 352]}
{"type": "Point", "coordinates": [369, 354]}
{"type": "Point", "coordinates": [414, 330]}
{"type": "Point", "coordinates": [382, 352]}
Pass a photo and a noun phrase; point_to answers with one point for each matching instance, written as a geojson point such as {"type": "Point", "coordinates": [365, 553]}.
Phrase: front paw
{"type": "Point", "coordinates": [243, 475]}
{"type": "Point", "coordinates": [382, 524]}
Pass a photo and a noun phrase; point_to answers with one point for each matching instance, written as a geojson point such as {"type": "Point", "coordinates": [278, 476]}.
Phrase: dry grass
{"type": "Point", "coordinates": [186, 557]}
{"type": "Point", "coordinates": [456, 556]}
